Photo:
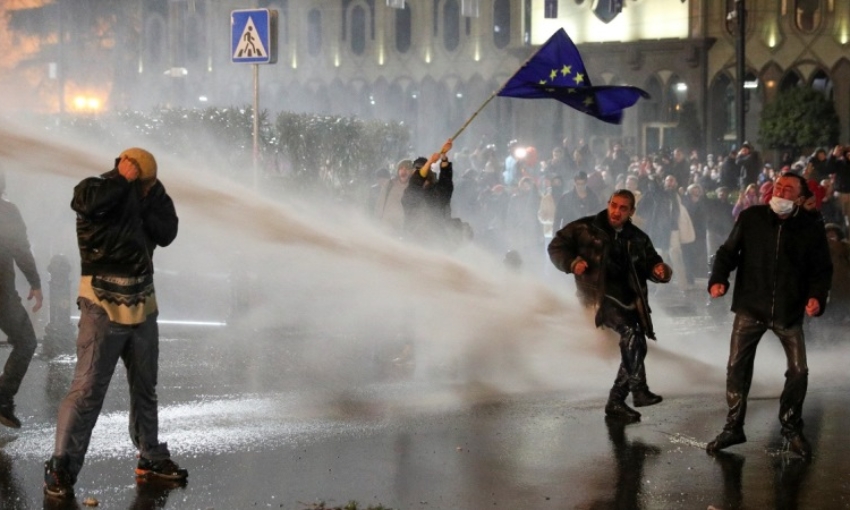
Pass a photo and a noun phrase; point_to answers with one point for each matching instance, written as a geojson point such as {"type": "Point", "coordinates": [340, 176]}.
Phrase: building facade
{"type": "Point", "coordinates": [433, 63]}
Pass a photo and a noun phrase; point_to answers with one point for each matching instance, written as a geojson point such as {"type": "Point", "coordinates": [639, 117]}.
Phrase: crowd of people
{"type": "Point", "coordinates": [513, 201]}
{"type": "Point", "coordinates": [612, 229]}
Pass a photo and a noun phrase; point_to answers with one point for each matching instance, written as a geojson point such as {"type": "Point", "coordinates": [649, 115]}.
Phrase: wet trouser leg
{"type": "Point", "coordinates": [141, 359]}
{"type": "Point", "coordinates": [746, 334]}
{"type": "Point", "coordinates": [796, 379]}
{"type": "Point", "coordinates": [631, 375]}
{"type": "Point", "coordinates": [17, 325]}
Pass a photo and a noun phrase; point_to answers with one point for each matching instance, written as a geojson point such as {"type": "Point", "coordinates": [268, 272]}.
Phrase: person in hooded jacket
{"type": "Point", "coordinates": [612, 260]}
{"type": "Point", "coordinates": [783, 273]}
{"type": "Point", "coordinates": [14, 320]}
{"type": "Point", "coordinates": [122, 216]}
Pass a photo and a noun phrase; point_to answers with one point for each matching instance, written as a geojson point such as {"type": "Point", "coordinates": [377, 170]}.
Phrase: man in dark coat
{"type": "Point", "coordinates": [576, 203]}
{"type": "Point", "coordinates": [612, 259]}
{"type": "Point", "coordinates": [749, 166]}
{"type": "Point", "coordinates": [14, 321]}
{"type": "Point", "coordinates": [783, 273]}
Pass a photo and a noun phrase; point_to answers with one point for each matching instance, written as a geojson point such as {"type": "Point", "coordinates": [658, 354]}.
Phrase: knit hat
{"type": "Point", "coordinates": [145, 160]}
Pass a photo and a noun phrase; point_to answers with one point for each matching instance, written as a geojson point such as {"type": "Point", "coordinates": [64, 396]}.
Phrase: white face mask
{"type": "Point", "coordinates": [781, 206]}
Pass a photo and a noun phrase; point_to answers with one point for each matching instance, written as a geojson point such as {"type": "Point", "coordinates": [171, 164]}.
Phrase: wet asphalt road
{"type": "Point", "coordinates": [256, 432]}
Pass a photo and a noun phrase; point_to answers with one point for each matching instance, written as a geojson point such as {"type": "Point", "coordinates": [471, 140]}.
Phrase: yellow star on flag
{"type": "Point", "coordinates": [553, 74]}
{"type": "Point", "coordinates": [588, 101]}
{"type": "Point", "coordinates": [579, 78]}
{"type": "Point", "coordinates": [542, 82]}
{"type": "Point", "coordinates": [566, 70]}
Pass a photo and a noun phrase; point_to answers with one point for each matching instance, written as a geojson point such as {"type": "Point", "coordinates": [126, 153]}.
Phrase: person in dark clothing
{"type": "Point", "coordinates": [719, 219]}
{"type": "Point", "coordinates": [783, 273]}
{"type": "Point", "coordinates": [679, 168]}
{"type": "Point", "coordinates": [838, 165]}
{"type": "Point", "coordinates": [122, 216]}
{"type": "Point", "coordinates": [730, 177]}
{"type": "Point", "coordinates": [427, 203]}
{"type": "Point", "coordinates": [749, 165]}
{"type": "Point", "coordinates": [14, 320]}
{"type": "Point", "coordinates": [818, 161]}
{"type": "Point", "coordinates": [576, 203]}
{"type": "Point", "coordinates": [612, 259]}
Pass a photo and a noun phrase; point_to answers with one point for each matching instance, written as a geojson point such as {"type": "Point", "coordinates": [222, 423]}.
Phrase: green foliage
{"type": "Point", "coordinates": [318, 151]}
{"type": "Point", "coordinates": [333, 151]}
{"type": "Point", "coordinates": [800, 118]}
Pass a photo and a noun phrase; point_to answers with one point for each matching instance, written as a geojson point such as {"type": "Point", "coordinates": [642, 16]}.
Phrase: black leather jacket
{"type": "Point", "coordinates": [780, 265]}
{"type": "Point", "coordinates": [117, 228]}
{"type": "Point", "coordinates": [590, 238]}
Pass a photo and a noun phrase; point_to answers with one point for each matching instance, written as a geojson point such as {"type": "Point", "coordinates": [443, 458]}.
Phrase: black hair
{"type": "Point", "coordinates": [625, 194]}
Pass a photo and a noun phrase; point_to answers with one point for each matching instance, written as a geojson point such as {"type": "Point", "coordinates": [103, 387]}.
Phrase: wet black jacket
{"type": "Point", "coordinates": [117, 228]}
{"type": "Point", "coordinates": [14, 249]}
{"type": "Point", "coordinates": [590, 238]}
{"type": "Point", "coordinates": [780, 265]}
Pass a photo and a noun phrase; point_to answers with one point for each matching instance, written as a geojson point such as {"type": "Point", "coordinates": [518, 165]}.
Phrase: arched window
{"type": "Point", "coordinates": [358, 30]}
{"type": "Point", "coordinates": [451, 25]}
{"type": "Point", "coordinates": [501, 23]}
{"type": "Point", "coordinates": [403, 27]}
{"type": "Point", "coordinates": [790, 80]}
{"type": "Point", "coordinates": [822, 83]}
{"type": "Point", "coordinates": [807, 15]}
{"type": "Point", "coordinates": [314, 32]}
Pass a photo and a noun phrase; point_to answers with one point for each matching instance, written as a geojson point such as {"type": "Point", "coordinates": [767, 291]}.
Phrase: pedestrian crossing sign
{"type": "Point", "coordinates": [253, 36]}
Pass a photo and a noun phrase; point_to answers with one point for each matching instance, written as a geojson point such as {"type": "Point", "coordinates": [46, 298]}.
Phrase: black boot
{"type": "Point", "coordinates": [644, 397]}
{"type": "Point", "coordinates": [729, 437]}
{"type": "Point", "coordinates": [797, 443]}
{"type": "Point", "coordinates": [618, 409]}
{"type": "Point", "coordinates": [7, 413]}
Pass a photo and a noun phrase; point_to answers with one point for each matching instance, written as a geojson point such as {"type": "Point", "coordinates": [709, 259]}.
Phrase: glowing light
{"type": "Point", "coordinates": [203, 99]}
{"type": "Point", "coordinates": [294, 60]}
{"type": "Point", "coordinates": [520, 153]}
{"type": "Point", "coordinates": [770, 84]}
{"type": "Point", "coordinates": [428, 56]}
{"type": "Point", "coordinates": [86, 103]}
{"type": "Point", "coordinates": [681, 87]}
{"type": "Point", "coordinates": [336, 60]}
{"type": "Point", "coordinates": [751, 84]}
{"type": "Point", "coordinates": [477, 55]}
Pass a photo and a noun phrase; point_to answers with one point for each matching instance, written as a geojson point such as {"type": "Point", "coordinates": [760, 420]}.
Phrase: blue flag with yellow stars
{"type": "Point", "coordinates": [557, 72]}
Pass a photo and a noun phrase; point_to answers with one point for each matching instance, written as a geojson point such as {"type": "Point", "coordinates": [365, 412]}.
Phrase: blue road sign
{"type": "Point", "coordinates": [253, 36]}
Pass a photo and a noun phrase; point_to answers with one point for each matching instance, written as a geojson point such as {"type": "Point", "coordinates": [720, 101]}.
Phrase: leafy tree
{"type": "Point", "coordinates": [798, 119]}
{"type": "Point", "coordinates": [688, 133]}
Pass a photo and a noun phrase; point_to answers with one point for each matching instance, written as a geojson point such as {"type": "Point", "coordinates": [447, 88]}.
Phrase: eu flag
{"type": "Point", "coordinates": [556, 71]}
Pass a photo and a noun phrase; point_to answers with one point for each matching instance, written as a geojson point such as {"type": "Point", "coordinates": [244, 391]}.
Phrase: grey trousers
{"type": "Point", "coordinates": [100, 344]}
{"type": "Point", "coordinates": [17, 325]}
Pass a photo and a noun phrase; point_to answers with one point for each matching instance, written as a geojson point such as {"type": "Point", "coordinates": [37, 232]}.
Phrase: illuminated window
{"type": "Point", "coordinates": [501, 23]}
{"type": "Point", "coordinates": [358, 30]}
{"type": "Point", "coordinates": [807, 15]}
{"type": "Point", "coordinates": [403, 26]}
{"type": "Point", "coordinates": [451, 25]}
{"type": "Point", "coordinates": [314, 32]}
